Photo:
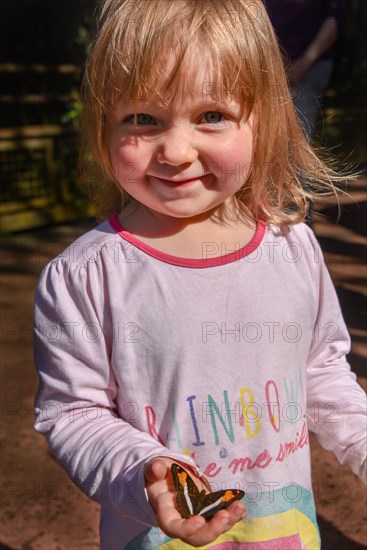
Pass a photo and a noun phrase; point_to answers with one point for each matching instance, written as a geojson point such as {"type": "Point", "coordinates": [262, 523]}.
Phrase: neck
{"type": "Point", "coordinates": [143, 222]}
{"type": "Point", "coordinates": [231, 227]}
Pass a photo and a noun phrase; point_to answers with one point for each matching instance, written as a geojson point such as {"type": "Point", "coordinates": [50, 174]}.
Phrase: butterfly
{"type": "Point", "coordinates": [191, 502]}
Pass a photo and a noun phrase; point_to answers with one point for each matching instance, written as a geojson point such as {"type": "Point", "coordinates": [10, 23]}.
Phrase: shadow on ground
{"type": "Point", "coordinates": [333, 539]}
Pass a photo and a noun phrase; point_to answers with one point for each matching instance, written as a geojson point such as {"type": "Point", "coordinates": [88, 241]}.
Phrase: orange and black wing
{"type": "Point", "coordinates": [188, 496]}
{"type": "Point", "coordinates": [220, 500]}
{"type": "Point", "coordinates": [191, 502]}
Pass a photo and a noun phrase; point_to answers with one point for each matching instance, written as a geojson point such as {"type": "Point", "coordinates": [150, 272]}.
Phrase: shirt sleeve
{"type": "Point", "coordinates": [336, 403]}
{"type": "Point", "coordinates": [75, 404]}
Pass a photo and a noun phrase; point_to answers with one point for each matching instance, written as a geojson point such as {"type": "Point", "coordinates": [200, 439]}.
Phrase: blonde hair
{"type": "Point", "coordinates": [128, 60]}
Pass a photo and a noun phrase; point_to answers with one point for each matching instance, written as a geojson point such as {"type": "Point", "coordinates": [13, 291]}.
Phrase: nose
{"type": "Point", "coordinates": [177, 147]}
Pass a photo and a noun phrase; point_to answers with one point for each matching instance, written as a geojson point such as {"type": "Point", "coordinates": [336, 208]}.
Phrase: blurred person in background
{"type": "Point", "coordinates": [307, 31]}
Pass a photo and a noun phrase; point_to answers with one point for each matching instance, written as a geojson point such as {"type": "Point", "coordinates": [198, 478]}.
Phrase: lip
{"type": "Point", "coordinates": [179, 183]}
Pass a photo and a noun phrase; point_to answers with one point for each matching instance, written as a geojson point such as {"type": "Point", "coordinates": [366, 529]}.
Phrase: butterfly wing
{"type": "Point", "coordinates": [190, 501]}
{"type": "Point", "coordinates": [188, 495]}
{"type": "Point", "coordinates": [219, 500]}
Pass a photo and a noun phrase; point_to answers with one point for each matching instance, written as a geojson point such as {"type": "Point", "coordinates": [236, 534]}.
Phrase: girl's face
{"type": "Point", "coordinates": [186, 159]}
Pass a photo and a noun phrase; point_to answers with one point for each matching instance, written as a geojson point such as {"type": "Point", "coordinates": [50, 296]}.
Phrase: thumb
{"type": "Point", "coordinates": [155, 470]}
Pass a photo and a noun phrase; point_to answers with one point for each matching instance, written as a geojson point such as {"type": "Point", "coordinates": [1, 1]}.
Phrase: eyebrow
{"type": "Point", "coordinates": [233, 105]}
{"type": "Point", "coordinates": [135, 106]}
{"type": "Point", "coordinates": [210, 103]}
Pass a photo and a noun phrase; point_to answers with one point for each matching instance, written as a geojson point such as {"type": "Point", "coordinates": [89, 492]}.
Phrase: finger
{"type": "Point", "coordinates": [196, 531]}
{"type": "Point", "coordinates": [182, 528]}
{"type": "Point", "coordinates": [237, 511]}
{"type": "Point", "coordinates": [221, 523]}
{"type": "Point", "coordinates": [155, 470]}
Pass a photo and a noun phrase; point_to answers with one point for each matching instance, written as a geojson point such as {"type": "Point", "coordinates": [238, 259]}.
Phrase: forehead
{"type": "Point", "coordinates": [178, 47]}
{"type": "Point", "coordinates": [198, 77]}
{"type": "Point", "coordinates": [195, 78]}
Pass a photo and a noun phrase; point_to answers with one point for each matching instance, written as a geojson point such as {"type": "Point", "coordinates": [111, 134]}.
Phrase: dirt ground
{"type": "Point", "coordinates": [41, 508]}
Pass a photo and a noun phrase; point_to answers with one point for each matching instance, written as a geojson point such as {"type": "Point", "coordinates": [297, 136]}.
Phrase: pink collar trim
{"type": "Point", "coordinates": [248, 249]}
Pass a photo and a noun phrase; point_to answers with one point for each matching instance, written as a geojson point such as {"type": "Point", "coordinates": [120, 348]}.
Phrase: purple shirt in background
{"type": "Point", "coordinates": [296, 22]}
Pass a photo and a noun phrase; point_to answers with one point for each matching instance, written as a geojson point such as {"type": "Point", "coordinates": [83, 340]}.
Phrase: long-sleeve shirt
{"type": "Point", "coordinates": [223, 363]}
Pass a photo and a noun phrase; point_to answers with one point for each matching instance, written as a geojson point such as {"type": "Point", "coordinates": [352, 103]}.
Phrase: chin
{"type": "Point", "coordinates": [185, 214]}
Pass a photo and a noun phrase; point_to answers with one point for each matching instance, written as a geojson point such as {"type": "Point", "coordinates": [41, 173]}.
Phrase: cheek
{"type": "Point", "coordinates": [126, 163]}
{"type": "Point", "coordinates": [245, 151]}
{"type": "Point", "coordinates": [238, 160]}
{"type": "Point", "coordinates": [248, 160]}
{"type": "Point", "coordinates": [121, 154]}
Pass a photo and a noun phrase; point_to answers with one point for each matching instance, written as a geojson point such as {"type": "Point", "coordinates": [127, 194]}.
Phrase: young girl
{"type": "Point", "coordinates": [197, 324]}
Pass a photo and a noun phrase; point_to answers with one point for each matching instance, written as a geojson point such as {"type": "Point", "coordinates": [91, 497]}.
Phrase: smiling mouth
{"type": "Point", "coordinates": [180, 183]}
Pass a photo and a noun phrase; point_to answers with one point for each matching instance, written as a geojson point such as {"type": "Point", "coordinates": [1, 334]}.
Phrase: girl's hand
{"type": "Point", "coordinates": [195, 530]}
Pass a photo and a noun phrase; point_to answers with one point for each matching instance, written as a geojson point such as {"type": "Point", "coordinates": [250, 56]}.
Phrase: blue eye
{"type": "Point", "coordinates": [213, 117]}
{"type": "Point", "coordinates": [139, 119]}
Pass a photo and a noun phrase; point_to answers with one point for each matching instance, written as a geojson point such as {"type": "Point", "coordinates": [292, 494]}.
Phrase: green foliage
{"type": "Point", "coordinates": [73, 111]}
